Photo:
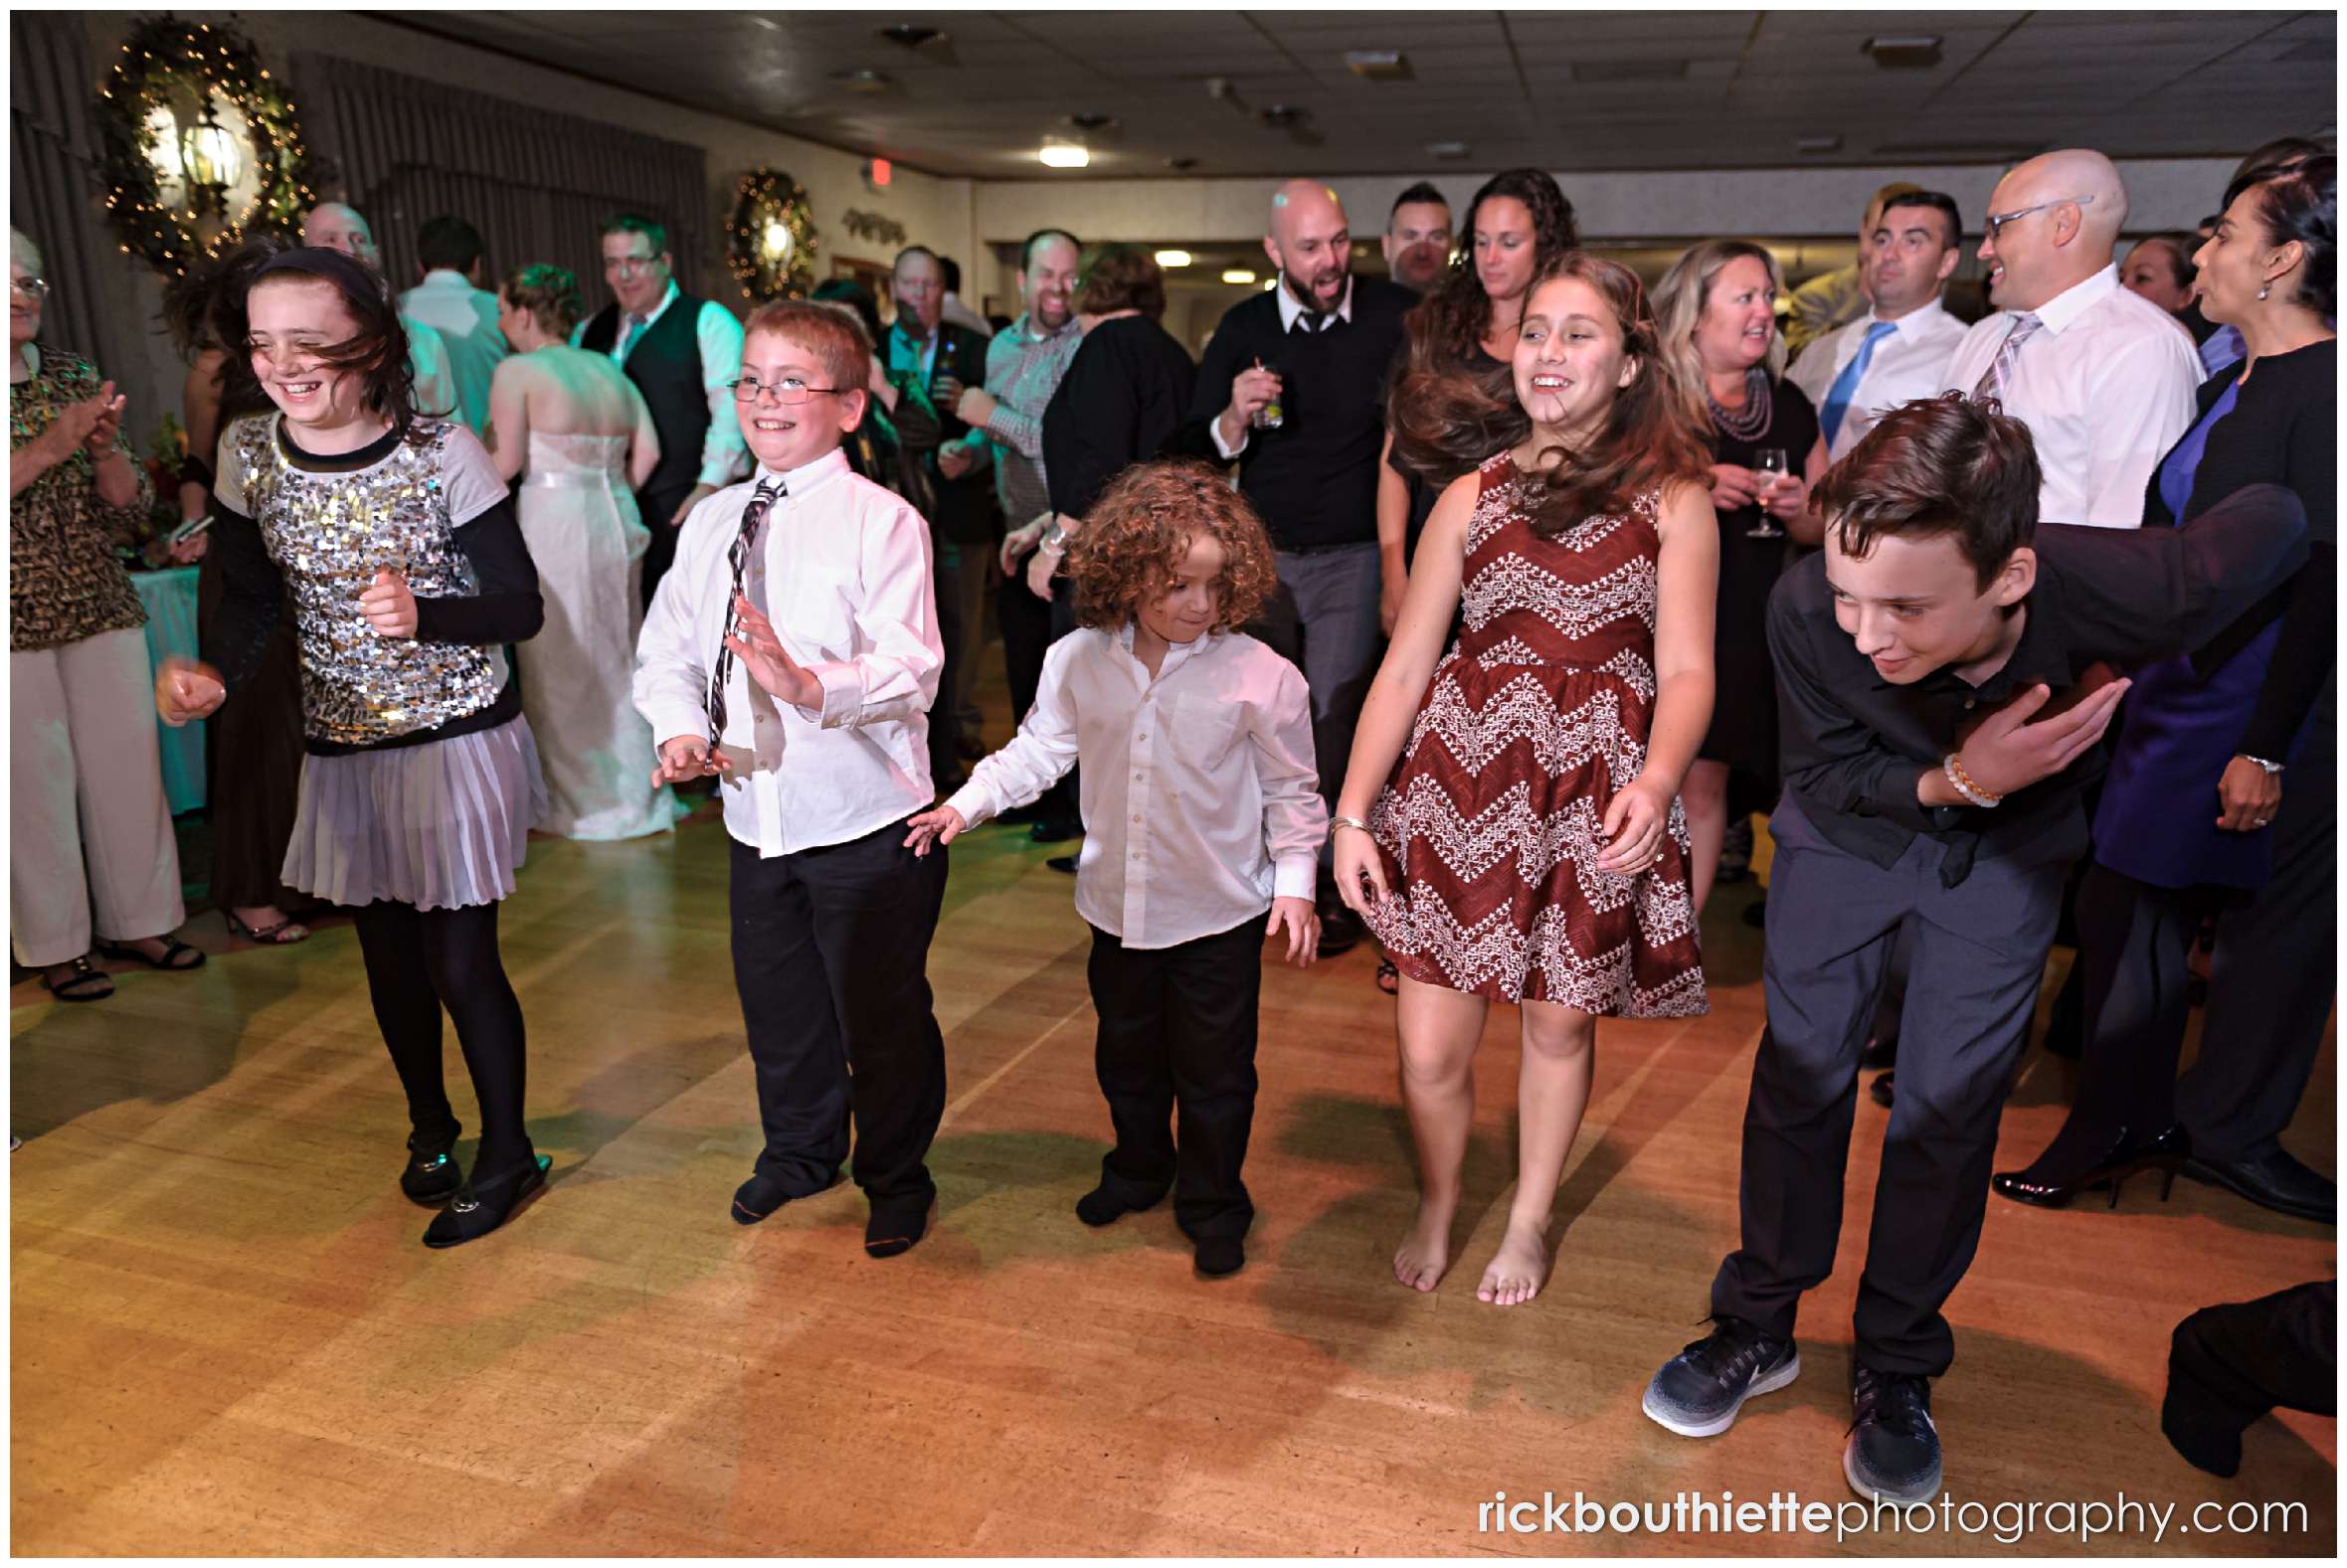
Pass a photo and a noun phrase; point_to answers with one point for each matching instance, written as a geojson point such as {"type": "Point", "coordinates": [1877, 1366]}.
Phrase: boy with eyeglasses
{"type": "Point", "coordinates": [793, 652]}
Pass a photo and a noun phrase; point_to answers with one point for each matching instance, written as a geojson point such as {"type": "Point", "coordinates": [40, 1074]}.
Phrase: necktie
{"type": "Point", "coordinates": [1845, 386]}
{"type": "Point", "coordinates": [769, 492]}
{"type": "Point", "coordinates": [2000, 370]}
{"type": "Point", "coordinates": [1312, 319]}
{"type": "Point", "coordinates": [635, 325]}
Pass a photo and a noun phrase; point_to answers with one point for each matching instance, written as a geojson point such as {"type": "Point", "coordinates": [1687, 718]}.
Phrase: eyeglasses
{"type": "Point", "coordinates": [631, 265]}
{"type": "Point", "coordinates": [1995, 223]}
{"type": "Point", "coordinates": [790, 392]}
{"type": "Point", "coordinates": [33, 289]}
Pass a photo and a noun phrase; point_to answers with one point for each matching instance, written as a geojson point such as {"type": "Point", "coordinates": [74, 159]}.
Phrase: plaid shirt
{"type": "Point", "coordinates": [1023, 370]}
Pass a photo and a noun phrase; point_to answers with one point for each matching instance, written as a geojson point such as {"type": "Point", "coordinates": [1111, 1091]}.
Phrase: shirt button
{"type": "Point", "coordinates": [1968, 702]}
{"type": "Point", "coordinates": [1137, 816]}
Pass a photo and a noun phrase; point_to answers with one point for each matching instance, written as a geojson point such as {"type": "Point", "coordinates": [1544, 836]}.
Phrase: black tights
{"type": "Point", "coordinates": [421, 960]}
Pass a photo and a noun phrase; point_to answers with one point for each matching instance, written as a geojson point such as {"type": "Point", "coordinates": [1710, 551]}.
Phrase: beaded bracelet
{"type": "Point", "coordinates": [1964, 783]}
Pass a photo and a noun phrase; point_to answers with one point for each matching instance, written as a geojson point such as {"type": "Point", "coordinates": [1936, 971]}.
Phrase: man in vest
{"type": "Point", "coordinates": [684, 355]}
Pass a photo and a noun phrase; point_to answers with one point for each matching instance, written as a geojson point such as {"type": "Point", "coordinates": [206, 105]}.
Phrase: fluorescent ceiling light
{"type": "Point", "coordinates": [1060, 155]}
{"type": "Point", "coordinates": [1173, 258]}
{"type": "Point", "coordinates": [1237, 275]}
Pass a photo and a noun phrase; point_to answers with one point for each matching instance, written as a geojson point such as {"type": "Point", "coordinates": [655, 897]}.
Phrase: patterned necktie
{"type": "Point", "coordinates": [769, 492]}
{"type": "Point", "coordinates": [1845, 386]}
{"type": "Point", "coordinates": [2000, 370]}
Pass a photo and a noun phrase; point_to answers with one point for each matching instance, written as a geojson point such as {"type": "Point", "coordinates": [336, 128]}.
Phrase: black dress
{"type": "Point", "coordinates": [1743, 709]}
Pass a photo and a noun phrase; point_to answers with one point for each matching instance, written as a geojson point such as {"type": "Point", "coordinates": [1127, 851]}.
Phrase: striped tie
{"type": "Point", "coordinates": [769, 492]}
{"type": "Point", "coordinates": [2000, 370]}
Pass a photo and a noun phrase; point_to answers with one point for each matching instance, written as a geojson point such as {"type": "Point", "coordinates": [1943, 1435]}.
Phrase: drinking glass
{"type": "Point", "coordinates": [1773, 462]}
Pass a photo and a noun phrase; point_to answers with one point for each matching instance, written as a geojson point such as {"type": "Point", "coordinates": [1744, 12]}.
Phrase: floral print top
{"type": "Point", "coordinates": [65, 581]}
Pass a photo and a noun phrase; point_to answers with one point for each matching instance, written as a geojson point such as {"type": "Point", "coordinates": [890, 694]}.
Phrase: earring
{"type": "Point", "coordinates": [2263, 289]}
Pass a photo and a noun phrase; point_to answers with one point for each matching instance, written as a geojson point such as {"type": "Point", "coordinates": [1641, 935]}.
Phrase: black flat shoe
{"type": "Point", "coordinates": [479, 1207]}
{"type": "Point", "coordinates": [2273, 1181]}
{"type": "Point", "coordinates": [431, 1175]}
{"type": "Point", "coordinates": [1341, 929]}
{"type": "Point", "coordinates": [2165, 1152]}
{"type": "Point", "coordinates": [1217, 1256]}
{"type": "Point", "coordinates": [1102, 1207]}
{"type": "Point", "coordinates": [177, 954]}
{"type": "Point", "coordinates": [896, 1224]}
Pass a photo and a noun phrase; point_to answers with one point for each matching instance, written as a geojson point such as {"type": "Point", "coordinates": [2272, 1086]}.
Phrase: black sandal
{"type": "Point", "coordinates": [432, 1175]}
{"type": "Point", "coordinates": [75, 987]}
{"type": "Point", "coordinates": [174, 951]}
{"type": "Point", "coordinates": [479, 1207]}
{"type": "Point", "coordinates": [272, 935]}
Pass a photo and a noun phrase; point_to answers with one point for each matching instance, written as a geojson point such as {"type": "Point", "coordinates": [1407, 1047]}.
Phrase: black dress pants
{"type": "Point", "coordinates": [831, 952]}
{"type": "Point", "coordinates": [1979, 954]}
{"type": "Point", "coordinates": [1178, 1045]}
{"type": "Point", "coordinates": [2229, 1365]}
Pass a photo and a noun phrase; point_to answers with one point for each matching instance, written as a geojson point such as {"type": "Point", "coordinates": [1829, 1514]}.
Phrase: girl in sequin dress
{"type": "Point", "coordinates": [398, 547]}
{"type": "Point", "coordinates": [1509, 823]}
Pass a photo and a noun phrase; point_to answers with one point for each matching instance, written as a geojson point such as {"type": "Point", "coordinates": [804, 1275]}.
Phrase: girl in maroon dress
{"type": "Point", "coordinates": [1509, 825]}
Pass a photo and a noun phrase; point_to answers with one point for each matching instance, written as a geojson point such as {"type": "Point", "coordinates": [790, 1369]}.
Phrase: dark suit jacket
{"type": "Point", "coordinates": [964, 508]}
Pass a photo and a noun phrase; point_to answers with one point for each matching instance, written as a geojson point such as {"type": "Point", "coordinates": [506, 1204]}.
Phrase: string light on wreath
{"type": "Point", "coordinates": [771, 239]}
{"type": "Point", "coordinates": [200, 145]}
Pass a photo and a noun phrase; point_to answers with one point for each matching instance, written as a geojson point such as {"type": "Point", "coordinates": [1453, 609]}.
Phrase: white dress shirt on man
{"type": "Point", "coordinates": [466, 320]}
{"type": "Point", "coordinates": [842, 566]}
{"type": "Point", "coordinates": [1200, 803]}
{"type": "Point", "coordinates": [2104, 385]}
{"type": "Point", "coordinates": [720, 335]}
{"type": "Point", "coordinates": [1911, 363]}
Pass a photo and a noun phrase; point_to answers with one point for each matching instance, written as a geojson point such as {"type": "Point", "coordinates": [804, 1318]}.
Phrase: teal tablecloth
{"type": "Point", "coordinates": [170, 601]}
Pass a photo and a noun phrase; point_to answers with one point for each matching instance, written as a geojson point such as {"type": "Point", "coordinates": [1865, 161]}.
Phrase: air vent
{"type": "Point", "coordinates": [1628, 71]}
{"type": "Point", "coordinates": [1903, 52]}
{"type": "Point", "coordinates": [1378, 65]}
{"type": "Point", "coordinates": [909, 36]}
{"type": "Point", "coordinates": [1181, 165]}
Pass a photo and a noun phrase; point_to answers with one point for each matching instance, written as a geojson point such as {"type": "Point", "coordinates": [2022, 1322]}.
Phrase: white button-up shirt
{"type": "Point", "coordinates": [719, 334]}
{"type": "Point", "coordinates": [2106, 387]}
{"type": "Point", "coordinates": [1201, 804]}
{"type": "Point", "coordinates": [466, 320]}
{"type": "Point", "coordinates": [842, 566]}
{"type": "Point", "coordinates": [1911, 363]}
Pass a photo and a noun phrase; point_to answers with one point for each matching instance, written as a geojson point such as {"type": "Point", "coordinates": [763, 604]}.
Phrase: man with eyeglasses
{"type": "Point", "coordinates": [684, 354]}
{"type": "Point", "coordinates": [2099, 375]}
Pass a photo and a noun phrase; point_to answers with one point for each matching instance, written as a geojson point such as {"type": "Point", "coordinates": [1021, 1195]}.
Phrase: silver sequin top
{"type": "Point", "coordinates": [330, 532]}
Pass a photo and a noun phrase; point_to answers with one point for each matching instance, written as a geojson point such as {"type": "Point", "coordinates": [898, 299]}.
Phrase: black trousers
{"type": "Point", "coordinates": [657, 508]}
{"type": "Point", "coordinates": [1177, 1040]}
{"type": "Point", "coordinates": [1979, 951]}
{"type": "Point", "coordinates": [830, 952]}
{"type": "Point", "coordinates": [945, 761]}
{"type": "Point", "coordinates": [2275, 971]}
{"type": "Point", "coordinates": [1029, 628]}
{"type": "Point", "coordinates": [2229, 1365]}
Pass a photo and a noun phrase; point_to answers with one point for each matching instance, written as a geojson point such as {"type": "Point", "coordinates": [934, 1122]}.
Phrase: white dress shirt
{"type": "Point", "coordinates": [1911, 363]}
{"type": "Point", "coordinates": [2106, 387]}
{"type": "Point", "coordinates": [466, 320]}
{"type": "Point", "coordinates": [841, 568]}
{"type": "Point", "coordinates": [720, 335]}
{"type": "Point", "coordinates": [434, 392]}
{"type": "Point", "coordinates": [1291, 313]}
{"type": "Point", "coordinates": [1201, 804]}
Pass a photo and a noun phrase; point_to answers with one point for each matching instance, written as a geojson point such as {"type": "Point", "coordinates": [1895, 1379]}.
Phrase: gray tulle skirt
{"type": "Point", "coordinates": [441, 825]}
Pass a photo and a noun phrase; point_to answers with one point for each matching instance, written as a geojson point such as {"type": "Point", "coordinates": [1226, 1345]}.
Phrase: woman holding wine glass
{"type": "Point", "coordinates": [1717, 309]}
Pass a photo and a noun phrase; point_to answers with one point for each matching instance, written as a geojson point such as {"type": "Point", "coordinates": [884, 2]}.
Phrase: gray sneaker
{"type": "Point", "coordinates": [1893, 1448]}
{"type": "Point", "coordinates": [1698, 1391]}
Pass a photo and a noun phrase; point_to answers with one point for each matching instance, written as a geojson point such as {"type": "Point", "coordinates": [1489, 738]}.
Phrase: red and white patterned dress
{"type": "Point", "coordinates": [1489, 828]}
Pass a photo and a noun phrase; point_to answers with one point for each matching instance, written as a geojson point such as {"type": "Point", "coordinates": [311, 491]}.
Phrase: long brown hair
{"type": "Point", "coordinates": [1456, 421]}
{"type": "Point", "coordinates": [1680, 300]}
{"type": "Point", "coordinates": [1451, 322]}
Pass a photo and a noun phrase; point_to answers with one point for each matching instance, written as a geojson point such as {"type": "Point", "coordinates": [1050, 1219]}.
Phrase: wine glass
{"type": "Point", "coordinates": [1773, 462]}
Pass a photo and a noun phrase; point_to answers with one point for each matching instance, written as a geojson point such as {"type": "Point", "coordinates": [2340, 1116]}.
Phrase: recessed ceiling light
{"type": "Point", "coordinates": [863, 81]}
{"type": "Point", "coordinates": [768, 22]}
{"type": "Point", "coordinates": [1238, 274]}
{"type": "Point", "coordinates": [1826, 142]}
{"type": "Point", "coordinates": [1172, 257]}
{"type": "Point", "coordinates": [1378, 65]}
{"type": "Point", "coordinates": [1446, 149]}
{"type": "Point", "coordinates": [909, 36]}
{"type": "Point", "coordinates": [1903, 50]}
{"type": "Point", "coordinates": [1062, 155]}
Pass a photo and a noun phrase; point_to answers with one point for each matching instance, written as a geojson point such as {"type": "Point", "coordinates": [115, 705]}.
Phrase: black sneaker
{"type": "Point", "coordinates": [1894, 1448]}
{"type": "Point", "coordinates": [1698, 1391]}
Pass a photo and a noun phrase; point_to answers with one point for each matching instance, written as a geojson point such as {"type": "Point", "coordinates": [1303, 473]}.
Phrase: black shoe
{"type": "Point", "coordinates": [2125, 1155]}
{"type": "Point", "coordinates": [1698, 1391]}
{"type": "Point", "coordinates": [479, 1206]}
{"type": "Point", "coordinates": [1053, 830]}
{"type": "Point", "coordinates": [431, 1175]}
{"type": "Point", "coordinates": [1894, 1448]}
{"type": "Point", "coordinates": [1341, 929]}
{"type": "Point", "coordinates": [1103, 1207]}
{"type": "Point", "coordinates": [896, 1224]}
{"type": "Point", "coordinates": [1757, 915]}
{"type": "Point", "coordinates": [1879, 1055]}
{"type": "Point", "coordinates": [1062, 863]}
{"type": "Point", "coordinates": [1221, 1255]}
{"type": "Point", "coordinates": [2199, 1423]}
{"type": "Point", "coordinates": [2275, 1181]}
{"type": "Point", "coordinates": [1881, 1089]}
{"type": "Point", "coordinates": [762, 1194]}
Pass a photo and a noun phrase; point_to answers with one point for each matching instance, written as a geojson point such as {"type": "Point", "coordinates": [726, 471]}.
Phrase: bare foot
{"type": "Point", "coordinates": [1425, 1253]}
{"type": "Point", "coordinates": [270, 923]}
{"type": "Point", "coordinates": [1518, 1268]}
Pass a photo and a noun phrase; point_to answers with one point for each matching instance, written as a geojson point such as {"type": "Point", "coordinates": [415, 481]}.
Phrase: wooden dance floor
{"type": "Point", "coordinates": [227, 1339]}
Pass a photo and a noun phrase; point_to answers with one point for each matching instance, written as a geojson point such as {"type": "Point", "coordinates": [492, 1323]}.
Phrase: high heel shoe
{"type": "Point", "coordinates": [432, 1175]}
{"type": "Point", "coordinates": [2165, 1152]}
{"type": "Point", "coordinates": [479, 1206]}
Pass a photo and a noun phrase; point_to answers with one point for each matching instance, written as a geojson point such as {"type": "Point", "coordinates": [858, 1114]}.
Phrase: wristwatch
{"type": "Point", "coordinates": [2272, 770]}
{"type": "Point", "coordinates": [1055, 541]}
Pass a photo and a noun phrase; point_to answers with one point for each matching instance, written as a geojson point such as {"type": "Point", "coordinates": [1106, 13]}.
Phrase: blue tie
{"type": "Point", "coordinates": [1845, 386]}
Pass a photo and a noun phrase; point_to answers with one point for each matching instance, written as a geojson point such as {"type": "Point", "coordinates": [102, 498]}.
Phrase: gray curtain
{"type": "Point", "coordinates": [536, 184]}
{"type": "Point", "coordinates": [54, 191]}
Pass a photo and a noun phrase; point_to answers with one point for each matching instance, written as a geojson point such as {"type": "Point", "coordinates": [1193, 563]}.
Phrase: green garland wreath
{"type": "Point", "coordinates": [768, 199]}
{"type": "Point", "coordinates": [161, 53]}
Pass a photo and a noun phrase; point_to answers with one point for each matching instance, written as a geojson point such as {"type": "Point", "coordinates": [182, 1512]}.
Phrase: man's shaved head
{"type": "Point", "coordinates": [1311, 242]}
{"type": "Point", "coordinates": [2071, 205]}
